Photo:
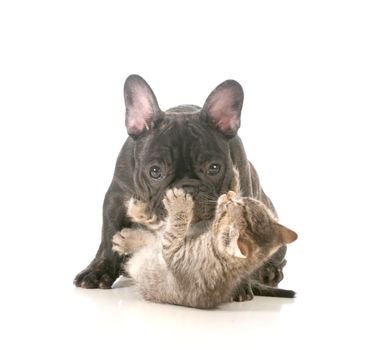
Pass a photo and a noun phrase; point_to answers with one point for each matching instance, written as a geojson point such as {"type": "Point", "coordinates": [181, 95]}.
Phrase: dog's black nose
{"type": "Point", "coordinates": [188, 189]}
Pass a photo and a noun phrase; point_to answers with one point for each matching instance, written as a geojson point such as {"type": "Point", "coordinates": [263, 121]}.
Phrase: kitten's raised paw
{"type": "Point", "coordinates": [177, 201]}
{"type": "Point", "coordinates": [140, 213]}
{"type": "Point", "coordinates": [226, 198]}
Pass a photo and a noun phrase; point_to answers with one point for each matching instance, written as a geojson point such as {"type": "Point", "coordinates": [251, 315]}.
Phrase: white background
{"type": "Point", "coordinates": [307, 68]}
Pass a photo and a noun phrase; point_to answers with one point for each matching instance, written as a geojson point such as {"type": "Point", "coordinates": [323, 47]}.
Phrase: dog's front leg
{"type": "Point", "coordinates": [106, 266]}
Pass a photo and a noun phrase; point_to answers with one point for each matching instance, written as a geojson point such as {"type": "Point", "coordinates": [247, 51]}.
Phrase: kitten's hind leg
{"type": "Point", "coordinates": [266, 291]}
{"type": "Point", "coordinates": [128, 240]}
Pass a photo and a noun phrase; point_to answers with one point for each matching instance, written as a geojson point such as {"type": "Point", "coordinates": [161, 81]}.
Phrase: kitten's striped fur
{"type": "Point", "coordinates": [200, 265]}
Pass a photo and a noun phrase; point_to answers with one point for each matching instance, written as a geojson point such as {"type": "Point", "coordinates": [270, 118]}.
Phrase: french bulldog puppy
{"type": "Point", "coordinates": [186, 147]}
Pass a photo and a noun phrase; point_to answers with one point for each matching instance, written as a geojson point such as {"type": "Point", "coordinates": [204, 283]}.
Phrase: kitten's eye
{"type": "Point", "coordinates": [155, 172]}
{"type": "Point", "coordinates": [214, 169]}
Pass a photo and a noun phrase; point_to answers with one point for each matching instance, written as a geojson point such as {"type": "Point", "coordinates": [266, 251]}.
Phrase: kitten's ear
{"type": "Point", "coordinates": [287, 235]}
{"type": "Point", "coordinates": [142, 108]}
{"type": "Point", "coordinates": [243, 247]}
{"type": "Point", "coordinates": [223, 106]}
{"type": "Point", "coordinates": [232, 246]}
{"type": "Point", "coordinates": [238, 252]}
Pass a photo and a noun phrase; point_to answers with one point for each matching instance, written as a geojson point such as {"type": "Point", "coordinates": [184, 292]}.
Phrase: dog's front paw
{"type": "Point", "coordinates": [101, 273]}
{"type": "Point", "coordinates": [177, 202]}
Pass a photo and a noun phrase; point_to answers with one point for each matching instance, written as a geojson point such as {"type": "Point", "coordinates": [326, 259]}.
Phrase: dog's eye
{"type": "Point", "coordinates": [155, 172]}
{"type": "Point", "coordinates": [214, 169]}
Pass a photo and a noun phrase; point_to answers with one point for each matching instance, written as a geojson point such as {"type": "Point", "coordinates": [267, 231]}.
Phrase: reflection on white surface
{"type": "Point", "coordinates": [65, 317]}
{"type": "Point", "coordinates": [123, 310]}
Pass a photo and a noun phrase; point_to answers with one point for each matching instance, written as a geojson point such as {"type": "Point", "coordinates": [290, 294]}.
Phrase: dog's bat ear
{"type": "Point", "coordinates": [142, 108]}
{"type": "Point", "coordinates": [223, 106]}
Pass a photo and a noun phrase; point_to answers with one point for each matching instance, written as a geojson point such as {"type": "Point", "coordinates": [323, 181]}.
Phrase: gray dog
{"type": "Point", "coordinates": [187, 147]}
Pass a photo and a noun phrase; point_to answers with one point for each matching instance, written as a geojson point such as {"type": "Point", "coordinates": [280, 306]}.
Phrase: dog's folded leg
{"type": "Point", "coordinates": [271, 273]}
{"type": "Point", "coordinates": [266, 291]}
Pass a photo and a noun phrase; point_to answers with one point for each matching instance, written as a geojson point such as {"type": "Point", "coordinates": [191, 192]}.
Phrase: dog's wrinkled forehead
{"type": "Point", "coordinates": [186, 142]}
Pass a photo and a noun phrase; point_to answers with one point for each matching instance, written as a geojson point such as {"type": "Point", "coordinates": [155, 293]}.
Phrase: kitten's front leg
{"type": "Point", "coordinates": [179, 206]}
{"type": "Point", "coordinates": [140, 213]}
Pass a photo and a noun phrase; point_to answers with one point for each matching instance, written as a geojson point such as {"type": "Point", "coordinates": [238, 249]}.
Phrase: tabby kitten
{"type": "Point", "coordinates": [200, 265]}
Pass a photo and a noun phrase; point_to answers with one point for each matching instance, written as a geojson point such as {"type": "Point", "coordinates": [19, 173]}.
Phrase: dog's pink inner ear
{"type": "Point", "coordinates": [139, 115]}
{"type": "Point", "coordinates": [141, 105]}
{"type": "Point", "coordinates": [223, 107]}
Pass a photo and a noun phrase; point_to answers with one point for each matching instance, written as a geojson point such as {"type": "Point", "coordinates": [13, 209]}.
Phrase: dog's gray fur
{"type": "Point", "coordinates": [189, 147]}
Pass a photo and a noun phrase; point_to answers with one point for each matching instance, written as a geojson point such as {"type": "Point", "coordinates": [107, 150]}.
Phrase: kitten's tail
{"type": "Point", "coordinates": [266, 291]}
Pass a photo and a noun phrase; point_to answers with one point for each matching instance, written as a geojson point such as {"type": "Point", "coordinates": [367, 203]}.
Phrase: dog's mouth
{"type": "Point", "coordinates": [204, 197]}
{"type": "Point", "coordinates": [204, 206]}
